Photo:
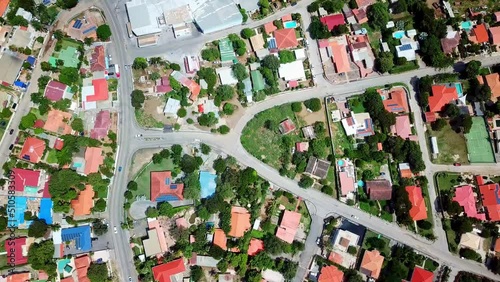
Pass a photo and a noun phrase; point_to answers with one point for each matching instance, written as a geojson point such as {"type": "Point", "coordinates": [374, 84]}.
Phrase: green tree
{"type": "Point", "coordinates": [296, 107]}
{"type": "Point", "coordinates": [27, 121]}
{"type": "Point", "coordinates": [210, 54]}
{"type": "Point", "coordinates": [223, 93]}
{"type": "Point", "coordinates": [264, 3]}
{"type": "Point", "coordinates": [196, 273]}
{"type": "Point", "coordinates": [192, 187]}
{"type": "Point", "coordinates": [132, 186]}
{"type": "Point", "coordinates": [152, 212]}
{"type": "Point", "coordinates": [40, 257]}
{"type": "Point", "coordinates": [69, 76]}
{"type": "Point", "coordinates": [378, 15]}
{"type": "Point", "coordinates": [439, 124]}
{"type": "Point", "coordinates": [327, 189]}
{"type": "Point", "coordinates": [239, 71]}
{"type": "Point", "coordinates": [138, 98]}
{"type": "Point", "coordinates": [140, 63]}
{"type": "Point", "coordinates": [103, 32]}
{"type": "Point", "coordinates": [128, 195]}
{"type": "Point", "coordinates": [155, 75]}
{"type": "Point", "coordinates": [164, 208]}
{"type": "Point", "coordinates": [77, 124]}
{"type": "Point", "coordinates": [313, 7]}
{"type": "Point", "coordinates": [188, 163]}
{"type": "Point", "coordinates": [332, 6]}
{"type": "Point", "coordinates": [368, 175]}
{"type": "Point", "coordinates": [350, 274]}
{"type": "Point", "coordinates": [317, 29]}
{"type": "Point", "coordinates": [99, 228]}
{"type": "Point", "coordinates": [210, 77]}
{"type": "Point", "coordinates": [340, 29]}
{"type": "Point", "coordinates": [37, 228]}
{"type": "Point", "coordinates": [223, 129]}
{"type": "Point", "coordinates": [246, 33]}
{"type": "Point", "coordinates": [400, 7]}
{"type": "Point", "coordinates": [100, 205]}
{"type": "Point", "coordinates": [472, 69]}
{"type": "Point", "coordinates": [286, 56]}
{"type": "Point", "coordinates": [182, 112]}
{"type": "Point", "coordinates": [313, 104]}
{"type": "Point", "coordinates": [228, 109]}
{"type": "Point", "coordinates": [58, 34]}
{"type": "Point", "coordinates": [220, 165]}
{"type": "Point", "coordinates": [45, 66]}
{"type": "Point", "coordinates": [208, 119]}
{"type": "Point", "coordinates": [385, 62]}
{"type": "Point", "coordinates": [43, 81]}
{"type": "Point", "coordinates": [375, 243]}
{"type": "Point", "coordinates": [98, 272]}
{"type": "Point", "coordinates": [306, 181]}
{"type": "Point", "coordinates": [67, 4]}
{"type": "Point", "coordinates": [271, 62]}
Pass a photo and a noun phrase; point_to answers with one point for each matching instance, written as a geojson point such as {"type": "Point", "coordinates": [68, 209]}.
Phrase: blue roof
{"type": "Point", "coordinates": [79, 234]}
{"type": "Point", "coordinates": [77, 24]}
{"type": "Point", "coordinates": [20, 206]}
{"type": "Point", "coordinates": [20, 84]}
{"type": "Point", "coordinates": [46, 210]}
{"type": "Point", "coordinates": [207, 182]}
{"type": "Point", "coordinates": [89, 30]}
{"type": "Point", "coordinates": [272, 44]}
{"type": "Point", "coordinates": [46, 2]}
{"type": "Point", "coordinates": [167, 198]}
{"type": "Point", "coordinates": [405, 47]}
{"type": "Point", "coordinates": [31, 60]}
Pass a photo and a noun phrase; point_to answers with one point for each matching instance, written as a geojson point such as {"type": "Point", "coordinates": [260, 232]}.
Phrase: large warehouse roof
{"type": "Point", "coordinates": [143, 17]}
{"type": "Point", "coordinates": [215, 15]}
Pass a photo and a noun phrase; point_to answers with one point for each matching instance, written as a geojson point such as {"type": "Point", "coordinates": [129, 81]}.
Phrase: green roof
{"type": "Point", "coordinates": [257, 80]}
{"type": "Point", "coordinates": [226, 50]}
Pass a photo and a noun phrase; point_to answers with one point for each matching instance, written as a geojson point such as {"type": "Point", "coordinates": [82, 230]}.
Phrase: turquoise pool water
{"type": "Point", "coordinates": [460, 91]}
{"type": "Point", "coordinates": [61, 264]}
{"type": "Point", "coordinates": [340, 162]}
{"type": "Point", "coordinates": [466, 25]}
{"type": "Point", "coordinates": [290, 24]}
{"type": "Point", "coordinates": [398, 34]}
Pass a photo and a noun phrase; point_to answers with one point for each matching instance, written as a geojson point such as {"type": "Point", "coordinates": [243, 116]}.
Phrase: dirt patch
{"type": "Point", "coordinates": [310, 118]}
{"type": "Point", "coordinates": [154, 107]}
{"type": "Point", "coordinates": [141, 158]}
{"type": "Point", "coordinates": [233, 119]}
{"type": "Point", "coordinates": [96, 17]}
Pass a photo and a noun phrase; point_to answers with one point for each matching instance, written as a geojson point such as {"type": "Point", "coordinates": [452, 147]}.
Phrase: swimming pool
{"type": "Point", "coordinates": [460, 91]}
{"type": "Point", "coordinates": [467, 25]}
{"type": "Point", "coordinates": [398, 34]}
{"type": "Point", "coordinates": [340, 162]}
{"type": "Point", "coordinates": [290, 24]}
{"type": "Point", "coordinates": [61, 264]}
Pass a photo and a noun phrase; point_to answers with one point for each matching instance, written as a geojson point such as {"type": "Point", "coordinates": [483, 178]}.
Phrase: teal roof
{"type": "Point", "coordinates": [226, 50]}
{"type": "Point", "coordinates": [257, 80]}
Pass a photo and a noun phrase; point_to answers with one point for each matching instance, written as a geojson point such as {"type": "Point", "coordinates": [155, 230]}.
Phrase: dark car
{"type": "Point", "coordinates": [11, 131]}
{"type": "Point", "coordinates": [457, 164]}
{"type": "Point", "coordinates": [111, 73]}
{"type": "Point", "coordinates": [11, 146]}
{"type": "Point", "coordinates": [14, 106]}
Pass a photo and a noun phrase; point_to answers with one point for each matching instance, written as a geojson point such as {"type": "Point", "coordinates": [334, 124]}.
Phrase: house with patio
{"type": "Point", "coordinates": [84, 203]}
{"type": "Point", "coordinates": [288, 226]}
{"type": "Point", "coordinates": [441, 95]}
{"type": "Point", "coordinates": [418, 210]}
{"type": "Point", "coordinates": [33, 150]}
{"type": "Point", "coordinates": [466, 198]}
{"type": "Point", "coordinates": [163, 188]}
{"type": "Point", "coordinates": [493, 82]}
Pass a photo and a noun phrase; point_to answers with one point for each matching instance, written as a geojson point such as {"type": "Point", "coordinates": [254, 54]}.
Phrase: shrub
{"type": "Point", "coordinates": [181, 112]}
{"type": "Point", "coordinates": [223, 129]}
{"type": "Point", "coordinates": [313, 104]}
{"type": "Point", "coordinates": [296, 107]}
{"type": "Point", "coordinates": [327, 190]}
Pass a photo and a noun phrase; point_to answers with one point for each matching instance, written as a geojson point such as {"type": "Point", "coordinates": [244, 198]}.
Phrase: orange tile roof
{"type": "Point", "coordinates": [82, 265]}
{"type": "Point", "coordinates": [490, 193]}
{"type": "Point", "coordinates": [493, 81]}
{"type": "Point", "coordinates": [335, 257]}
{"type": "Point", "coordinates": [33, 149]}
{"type": "Point", "coordinates": [84, 203]}
{"type": "Point", "coordinates": [286, 38]}
{"type": "Point", "coordinates": [497, 245]}
{"type": "Point", "coordinates": [288, 226]}
{"type": "Point", "coordinates": [19, 277]}
{"type": "Point", "coordinates": [396, 101]}
{"type": "Point", "coordinates": [3, 7]}
{"type": "Point", "coordinates": [220, 238]}
{"type": "Point", "coordinates": [270, 27]}
{"type": "Point", "coordinates": [240, 222]}
{"type": "Point", "coordinates": [495, 35]}
{"type": "Point", "coordinates": [480, 33]}
{"type": "Point", "coordinates": [371, 264]}
{"type": "Point", "coordinates": [340, 57]}
{"type": "Point", "coordinates": [93, 159]}
{"type": "Point", "coordinates": [163, 188]}
{"type": "Point", "coordinates": [330, 274]}
{"type": "Point", "coordinates": [255, 247]}
{"type": "Point", "coordinates": [418, 210]}
{"type": "Point", "coordinates": [440, 96]}
{"type": "Point", "coordinates": [58, 122]}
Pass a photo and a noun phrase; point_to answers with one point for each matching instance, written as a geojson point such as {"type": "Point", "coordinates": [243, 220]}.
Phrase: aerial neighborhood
{"type": "Point", "coordinates": [250, 140]}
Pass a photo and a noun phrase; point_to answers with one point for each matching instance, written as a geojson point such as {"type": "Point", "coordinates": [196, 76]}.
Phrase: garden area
{"type": "Point", "coordinates": [452, 146]}
{"type": "Point", "coordinates": [143, 178]}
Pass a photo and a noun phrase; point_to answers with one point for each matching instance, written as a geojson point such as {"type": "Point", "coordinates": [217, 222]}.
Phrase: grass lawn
{"type": "Point", "coordinates": [143, 177]}
{"type": "Point", "coordinates": [257, 234]}
{"type": "Point", "coordinates": [446, 180]}
{"type": "Point", "coordinates": [356, 105]}
{"type": "Point", "coordinates": [430, 265]}
{"type": "Point", "coordinates": [371, 209]}
{"type": "Point", "coordinates": [112, 84]}
{"type": "Point", "coordinates": [51, 157]}
{"type": "Point", "coordinates": [369, 234]}
{"type": "Point", "coordinates": [331, 178]}
{"type": "Point", "coordinates": [386, 216]}
{"type": "Point", "coordinates": [264, 144]}
{"type": "Point", "coordinates": [147, 120]}
{"type": "Point", "coordinates": [450, 236]}
{"type": "Point", "coordinates": [452, 146]}
{"type": "Point", "coordinates": [67, 42]}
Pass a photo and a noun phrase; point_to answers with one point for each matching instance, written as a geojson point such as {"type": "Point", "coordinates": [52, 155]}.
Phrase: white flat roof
{"type": "Point", "coordinates": [292, 71]}
{"type": "Point", "coordinates": [172, 106]}
{"type": "Point", "coordinates": [143, 17]}
{"type": "Point", "coordinates": [226, 76]}
{"type": "Point", "coordinates": [216, 15]}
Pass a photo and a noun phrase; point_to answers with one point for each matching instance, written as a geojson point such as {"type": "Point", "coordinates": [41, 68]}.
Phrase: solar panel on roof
{"type": "Point", "coordinates": [405, 47]}
{"type": "Point", "coordinates": [89, 30]}
{"type": "Point", "coordinates": [272, 44]}
{"type": "Point", "coordinates": [77, 22]}
{"type": "Point", "coordinates": [173, 186]}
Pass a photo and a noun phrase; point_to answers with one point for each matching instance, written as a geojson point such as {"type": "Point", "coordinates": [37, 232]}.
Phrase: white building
{"type": "Point", "coordinates": [171, 107]}
{"type": "Point", "coordinates": [344, 239]}
{"type": "Point", "coordinates": [407, 50]}
{"type": "Point", "coordinates": [226, 76]}
{"type": "Point", "coordinates": [356, 123]}
{"type": "Point", "coordinates": [292, 71]}
{"type": "Point", "coordinates": [216, 15]}
{"type": "Point", "coordinates": [25, 14]}
{"type": "Point", "coordinates": [143, 17]}
{"type": "Point", "coordinates": [250, 6]}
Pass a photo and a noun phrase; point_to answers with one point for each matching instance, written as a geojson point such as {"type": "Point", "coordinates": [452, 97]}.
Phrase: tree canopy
{"type": "Point", "coordinates": [239, 71]}
{"type": "Point", "coordinates": [38, 228]}
{"type": "Point", "coordinates": [138, 98]}
{"type": "Point", "coordinates": [271, 62]}
{"type": "Point", "coordinates": [40, 257]}
{"type": "Point", "coordinates": [98, 272]}
{"type": "Point", "coordinates": [378, 15]}
{"type": "Point", "coordinates": [103, 32]}
{"type": "Point", "coordinates": [140, 63]}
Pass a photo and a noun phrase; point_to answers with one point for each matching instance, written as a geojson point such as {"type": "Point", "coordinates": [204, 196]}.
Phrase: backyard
{"type": "Point", "coordinates": [147, 120]}
{"type": "Point", "coordinates": [68, 53]}
{"type": "Point", "coordinates": [143, 177]}
{"type": "Point", "coordinates": [339, 138]}
{"type": "Point", "coordinates": [446, 181]}
{"type": "Point", "coordinates": [452, 146]}
{"type": "Point", "coordinates": [386, 251]}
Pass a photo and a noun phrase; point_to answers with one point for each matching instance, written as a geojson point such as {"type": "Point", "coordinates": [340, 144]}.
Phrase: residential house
{"type": "Point", "coordinates": [270, 27]}
{"type": "Point", "coordinates": [25, 178]}
{"type": "Point", "coordinates": [58, 122]}
{"type": "Point", "coordinates": [343, 239]}
{"type": "Point", "coordinates": [347, 176]}
{"type": "Point", "coordinates": [360, 125]}
{"type": "Point", "coordinates": [479, 34]}
{"type": "Point", "coordinates": [364, 3]}
{"type": "Point", "coordinates": [331, 21]}
{"type": "Point", "coordinates": [405, 170]}
{"type": "Point", "coordinates": [194, 88]}
{"type": "Point", "coordinates": [394, 100]}
{"type": "Point", "coordinates": [203, 261]}
{"type": "Point", "coordinates": [163, 188]}
{"type": "Point", "coordinates": [191, 64]}
{"type": "Point", "coordinates": [80, 235]}
{"type": "Point", "coordinates": [490, 194]}
{"type": "Point", "coordinates": [471, 241]}
{"type": "Point", "coordinates": [97, 59]}
{"type": "Point", "coordinates": [32, 150]}
{"type": "Point", "coordinates": [360, 15]}
{"type": "Point", "coordinates": [493, 81]}
{"type": "Point", "coordinates": [317, 168]}
{"type": "Point", "coordinates": [93, 159]}
{"type": "Point", "coordinates": [286, 126]}
{"type": "Point", "coordinates": [84, 203]}
{"type": "Point", "coordinates": [172, 106]}
{"type": "Point", "coordinates": [226, 76]}
{"type": "Point", "coordinates": [466, 198]}
{"type": "Point", "coordinates": [402, 128]}
{"type": "Point", "coordinates": [285, 38]}
{"type": "Point", "coordinates": [257, 42]}
{"type": "Point", "coordinates": [421, 275]}
{"type": "Point", "coordinates": [20, 277]}
{"type": "Point", "coordinates": [371, 264]}
{"type": "Point", "coordinates": [161, 241]}
{"type": "Point", "coordinates": [288, 227]}
{"type": "Point", "coordinates": [450, 42]}
{"type": "Point", "coordinates": [441, 95]}
{"type": "Point", "coordinates": [330, 273]}
{"type": "Point", "coordinates": [220, 239]}
{"type": "Point", "coordinates": [82, 264]}
{"type": "Point", "coordinates": [340, 57]}
{"type": "Point", "coordinates": [55, 91]}
{"type": "Point", "coordinates": [17, 250]}
{"type": "Point", "coordinates": [408, 50]}
{"type": "Point", "coordinates": [301, 147]}
{"type": "Point", "coordinates": [255, 247]}
{"type": "Point", "coordinates": [240, 222]}
{"type": "Point", "coordinates": [10, 66]}
{"type": "Point", "coordinates": [101, 125]}
{"type": "Point", "coordinates": [361, 53]}
{"type": "Point", "coordinates": [418, 210]}
{"type": "Point", "coordinates": [308, 132]}
{"type": "Point", "coordinates": [96, 92]}
{"type": "Point", "coordinates": [163, 85]}
{"type": "Point", "coordinates": [300, 54]}
{"type": "Point", "coordinates": [379, 189]}
{"type": "Point", "coordinates": [348, 14]}
{"type": "Point", "coordinates": [151, 244]}
{"type": "Point", "coordinates": [292, 71]}
{"type": "Point", "coordinates": [258, 83]}
{"type": "Point", "coordinates": [170, 271]}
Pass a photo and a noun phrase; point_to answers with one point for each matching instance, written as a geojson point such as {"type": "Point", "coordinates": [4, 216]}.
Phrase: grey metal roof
{"type": "Point", "coordinates": [249, 5]}
{"type": "Point", "coordinates": [9, 68]}
{"type": "Point", "coordinates": [216, 15]}
{"type": "Point", "coordinates": [138, 15]}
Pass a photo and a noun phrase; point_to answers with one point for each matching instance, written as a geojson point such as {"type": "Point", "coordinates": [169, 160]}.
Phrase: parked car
{"type": "Point", "coordinates": [119, 169]}
{"type": "Point", "coordinates": [14, 106]}
{"type": "Point", "coordinates": [11, 146]}
{"type": "Point", "coordinates": [457, 164]}
{"type": "Point", "coordinates": [116, 231]}
{"type": "Point", "coordinates": [11, 131]}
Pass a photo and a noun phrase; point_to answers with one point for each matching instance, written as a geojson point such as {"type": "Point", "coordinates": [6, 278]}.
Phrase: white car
{"type": "Point", "coordinates": [116, 231]}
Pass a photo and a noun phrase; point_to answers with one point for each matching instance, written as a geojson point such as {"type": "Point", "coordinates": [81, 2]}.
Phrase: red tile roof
{"type": "Point", "coordinates": [33, 149]}
{"type": "Point", "coordinates": [449, 44]}
{"type": "Point", "coordinates": [421, 275]}
{"type": "Point", "coordinates": [330, 274]}
{"type": "Point", "coordinates": [3, 7]}
{"type": "Point", "coordinates": [270, 27]}
{"type": "Point", "coordinates": [240, 222]}
{"type": "Point", "coordinates": [418, 210]}
{"type": "Point", "coordinates": [371, 264]}
{"type": "Point", "coordinates": [21, 277]}
{"type": "Point", "coordinates": [464, 196]}
{"type": "Point", "coordinates": [288, 226]}
{"type": "Point", "coordinates": [360, 15]}
{"type": "Point", "coordinates": [59, 144]}
{"type": "Point", "coordinates": [286, 38]}
{"type": "Point", "coordinates": [14, 249]}
{"type": "Point", "coordinates": [332, 21]}
{"type": "Point", "coordinates": [163, 272]}
{"type": "Point", "coordinates": [480, 33]}
{"type": "Point", "coordinates": [479, 180]}
{"type": "Point", "coordinates": [220, 239]}
{"type": "Point", "coordinates": [490, 194]}
{"type": "Point", "coordinates": [25, 178]}
{"type": "Point", "coordinates": [379, 189]}
{"type": "Point", "coordinates": [497, 245]}
{"type": "Point", "coordinates": [162, 185]}
{"type": "Point", "coordinates": [335, 257]}
{"type": "Point", "coordinates": [101, 125]}
{"type": "Point", "coordinates": [286, 18]}
{"type": "Point", "coordinates": [39, 123]}
{"type": "Point", "coordinates": [255, 247]}
{"type": "Point", "coordinates": [364, 3]}
{"type": "Point", "coordinates": [93, 159]}
{"type": "Point", "coordinates": [287, 126]}
{"type": "Point", "coordinates": [395, 101]}
{"type": "Point", "coordinates": [54, 90]}
{"type": "Point", "coordinates": [84, 203]}
{"type": "Point", "coordinates": [340, 57]}
{"type": "Point", "coordinates": [402, 128]}
{"type": "Point", "coordinates": [100, 90]}
{"type": "Point", "coordinates": [97, 60]}
{"type": "Point", "coordinates": [82, 265]}
{"type": "Point", "coordinates": [440, 96]}
{"type": "Point", "coordinates": [430, 116]}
